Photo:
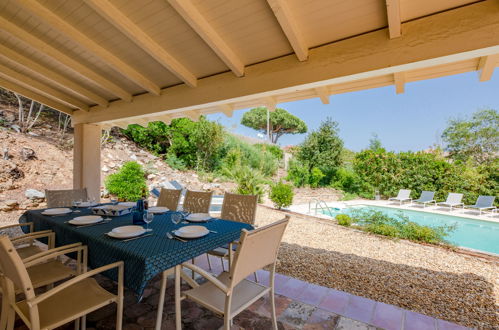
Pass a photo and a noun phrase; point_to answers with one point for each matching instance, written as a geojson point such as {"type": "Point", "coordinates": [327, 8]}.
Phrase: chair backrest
{"type": "Point", "coordinates": [13, 269]}
{"type": "Point", "coordinates": [258, 248]}
{"type": "Point", "coordinates": [241, 208]}
{"type": "Point", "coordinates": [61, 198]}
{"type": "Point", "coordinates": [485, 201]}
{"type": "Point", "coordinates": [404, 193]}
{"type": "Point", "coordinates": [454, 198]}
{"type": "Point", "coordinates": [427, 195]}
{"type": "Point", "coordinates": [169, 198]}
{"type": "Point", "coordinates": [197, 201]}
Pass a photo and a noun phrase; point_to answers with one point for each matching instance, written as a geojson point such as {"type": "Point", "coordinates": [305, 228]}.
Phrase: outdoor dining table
{"type": "Point", "coordinates": [144, 258]}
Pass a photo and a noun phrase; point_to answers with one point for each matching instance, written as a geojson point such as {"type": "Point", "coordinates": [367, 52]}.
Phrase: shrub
{"type": "Point", "coordinates": [383, 229]}
{"type": "Point", "coordinates": [128, 183]}
{"type": "Point", "coordinates": [282, 195]}
{"type": "Point", "coordinates": [175, 162]}
{"type": "Point", "coordinates": [298, 173]}
{"type": "Point", "coordinates": [315, 177]}
{"type": "Point", "coordinates": [348, 196]}
{"type": "Point", "coordinates": [249, 181]}
{"type": "Point", "coordinates": [344, 220]}
{"type": "Point", "coordinates": [275, 150]}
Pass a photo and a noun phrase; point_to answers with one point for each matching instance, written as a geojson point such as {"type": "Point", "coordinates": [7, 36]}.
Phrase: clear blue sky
{"type": "Point", "coordinates": [410, 121]}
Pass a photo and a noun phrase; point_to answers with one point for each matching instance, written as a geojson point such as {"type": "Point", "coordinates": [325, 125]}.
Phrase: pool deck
{"type": "Point", "coordinates": [459, 212]}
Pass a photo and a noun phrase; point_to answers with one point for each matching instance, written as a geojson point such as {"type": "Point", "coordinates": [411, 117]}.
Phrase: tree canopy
{"type": "Point", "coordinates": [281, 122]}
{"type": "Point", "coordinates": [476, 138]}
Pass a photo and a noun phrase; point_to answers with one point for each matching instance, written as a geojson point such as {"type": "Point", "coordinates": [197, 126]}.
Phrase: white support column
{"type": "Point", "coordinates": [86, 158]}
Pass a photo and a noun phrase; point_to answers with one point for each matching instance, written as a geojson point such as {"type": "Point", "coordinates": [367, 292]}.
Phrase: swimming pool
{"type": "Point", "coordinates": [470, 233]}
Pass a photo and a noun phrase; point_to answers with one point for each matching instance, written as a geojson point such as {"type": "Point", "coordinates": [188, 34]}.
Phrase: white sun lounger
{"type": "Point", "coordinates": [402, 196]}
{"type": "Point", "coordinates": [483, 203]}
{"type": "Point", "coordinates": [426, 198]}
{"type": "Point", "coordinates": [453, 200]}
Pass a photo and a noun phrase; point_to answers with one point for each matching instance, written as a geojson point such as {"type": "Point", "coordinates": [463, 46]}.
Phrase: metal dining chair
{"type": "Point", "coordinates": [70, 301]}
{"type": "Point", "coordinates": [169, 198]}
{"type": "Point", "coordinates": [231, 293]}
{"type": "Point", "coordinates": [62, 198]}
{"type": "Point", "coordinates": [197, 201]}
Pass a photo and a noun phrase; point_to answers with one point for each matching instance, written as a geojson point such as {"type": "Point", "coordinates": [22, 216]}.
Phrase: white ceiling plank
{"type": "Point", "coordinates": [394, 20]}
{"type": "Point", "coordinates": [116, 17]}
{"type": "Point", "coordinates": [51, 75]}
{"type": "Point", "coordinates": [62, 26]}
{"type": "Point", "coordinates": [487, 66]}
{"type": "Point", "coordinates": [399, 80]}
{"type": "Point", "coordinates": [61, 57]}
{"type": "Point", "coordinates": [203, 28]}
{"type": "Point", "coordinates": [290, 27]}
{"type": "Point", "coordinates": [16, 88]}
{"type": "Point", "coordinates": [23, 79]}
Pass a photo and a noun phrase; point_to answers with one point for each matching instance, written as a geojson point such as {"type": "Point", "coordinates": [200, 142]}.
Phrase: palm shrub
{"type": "Point", "coordinates": [128, 183]}
{"type": "Point", "coordinates": [249, 181]}
{"type": "Point", "coordinates": [281, 194]}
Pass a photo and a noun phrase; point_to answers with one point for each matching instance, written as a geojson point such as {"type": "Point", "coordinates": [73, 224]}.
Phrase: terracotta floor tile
{"type": "Point", "coordinates": [387, 316]}
{"type": "Point", "coordinates": [416, 321]}
{"type": "Point", "coordinates": [335, 301]}
{"type": "Point", "coordinates": [360, 308]}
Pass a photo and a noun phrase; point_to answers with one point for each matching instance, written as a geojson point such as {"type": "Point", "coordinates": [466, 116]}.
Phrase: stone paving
{"type": "Point", "coordinates": [299, 305]}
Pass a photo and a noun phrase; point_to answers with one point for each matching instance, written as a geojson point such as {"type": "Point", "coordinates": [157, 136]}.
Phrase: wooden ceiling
{"type": "Point", "coordinates": [91, 55]}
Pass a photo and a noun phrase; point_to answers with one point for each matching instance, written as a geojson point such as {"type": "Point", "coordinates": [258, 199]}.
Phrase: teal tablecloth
{"type": "Point", "coordinates": [144, 258]}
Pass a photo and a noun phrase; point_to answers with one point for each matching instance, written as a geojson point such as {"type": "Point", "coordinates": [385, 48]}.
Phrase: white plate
{"type": "Point", "coordinates": [58, 211]}
{"type": "Point", "coordinates": [158, 209]}
{"type": "Point", "coordinates": [85, 220]}
{"type": "Point", "coordinates": [191, 232]}
{"type": "Point", "coordinates": [128, 230]}
{"type": "Point", "coordinates": [198, 217]}
{"type": "Point", "coordinates": [128, 204]}
{"type": "Point", "coordinates": [86, 204]}
{"type": "Point", "coordinates": [125, 235]}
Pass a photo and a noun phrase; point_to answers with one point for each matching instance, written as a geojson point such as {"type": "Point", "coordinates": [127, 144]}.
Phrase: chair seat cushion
{"type": "Point", "coordinates": [49, 272]}
{"type": "Point", "coordinates": [71, 303]}
{"type": "Point", "coordinates": [245, 293]}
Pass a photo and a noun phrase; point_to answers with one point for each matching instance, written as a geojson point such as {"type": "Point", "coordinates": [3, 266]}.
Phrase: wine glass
{"type": "Point", "coordinates": [177, 218]}
{"type": "Point", "coordinates": [148, 217]}
{"type": "Point", "coordinates": [77, 205]}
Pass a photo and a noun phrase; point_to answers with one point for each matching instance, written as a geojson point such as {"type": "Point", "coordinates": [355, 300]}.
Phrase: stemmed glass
{"type": "Point", "coordinates": [77, 203]}
{"type": "Point", "coordinates": [148, 217]}
{"type": "Point", "coordinates": [177, 218]}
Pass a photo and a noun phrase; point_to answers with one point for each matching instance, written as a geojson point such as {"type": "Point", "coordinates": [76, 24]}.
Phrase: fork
{"type": "Point", "coordinates": [170, 236]}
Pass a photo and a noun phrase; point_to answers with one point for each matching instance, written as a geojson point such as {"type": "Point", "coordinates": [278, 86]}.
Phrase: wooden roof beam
{"type": "Point", "coordinates": [198, 23]}
{"type": "Point", "coordinates": [270, 102]}
{"type": "Point", "coordinates": [394, 20]}
{"type": "Point", "coordinates": [59, 24]}
{"type": "Point", "coordinates": [51, 75]}
{"type": "Point", "coordinates": [290, 27]}
{"type": "Point", "coordinates": [323, 94]}
{"type": "Point", "coordinates": [487, 64]}
{"type": "Point", "coordinates": [399, 81]}
{"type": "Point", "coordinates": [23, 79]}
{"type": "Point", "coordinates": [61, 57]}
{"type": "Point", "coordinates": [116, 17]}
{"type": "Point", "coordinates": [192, 115]}
{"type": "Point", "coordinates": [16, 88]}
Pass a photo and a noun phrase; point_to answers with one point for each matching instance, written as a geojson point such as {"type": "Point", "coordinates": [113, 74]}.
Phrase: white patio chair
{"type": "Point", "coordinates": [231, 293]}
{"type": "Point", "coordinates": [453, 200]}
{"type": "Point", "coordinates": [483, 203]}
{"type": "Point", "coordinates": [67, 302]}
{"type": "Point", "coordinates": [403, 196]}
{"type": "Point", "coordinates": [425, 198]}
{"type": "Point", "coordinates": [25, 243]}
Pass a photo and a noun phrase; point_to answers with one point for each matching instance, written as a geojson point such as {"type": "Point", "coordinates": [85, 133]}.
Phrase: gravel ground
{"type": "Point", "coordinates": [426, 279]}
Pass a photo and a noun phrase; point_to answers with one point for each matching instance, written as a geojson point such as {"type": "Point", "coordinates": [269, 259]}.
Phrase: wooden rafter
{"type": "Point", "coordinates": [192, 115]}
{"type": "Point", "coordinates": [116, 17]}
{"type": "Point", "coordinates": [16, 88]}
{"type": "Point", "coordinates": [290, 27]}
{"type": "Point", "coordinates": [487, 65]}
{"type": "Point", "coordinates": [399, 80]}
{"type": "Point", "coordinates": [51, 75]}
{"type": "Point", "coordinates": [60, 25]}
{"type": "Point", "coordinates": [394, 20]}
{"type": "Point", "coordinates": [323, 94]}
{"type": "Point", "coordinates": [198, 23]}
{"type": "Point", "coordinates": [61, 57]}
{"type": "Point", "coordinates": [25, 80]}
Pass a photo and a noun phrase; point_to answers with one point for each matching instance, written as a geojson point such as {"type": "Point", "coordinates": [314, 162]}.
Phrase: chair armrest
{"type": "Point", "coordinates": [32, 236]}
{"type": "Point", "coordinates": [52, 253]}
{"type": "Point", "coordinates": [30, 224]}
{"type": "Point", "coordinates": [207, 276]}
{"type": "Point", "coordinates": [79, 278]}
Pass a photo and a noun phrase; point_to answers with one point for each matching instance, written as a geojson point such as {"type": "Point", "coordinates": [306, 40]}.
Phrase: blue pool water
{"type": "Point", "coordinates": [470, 233]}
